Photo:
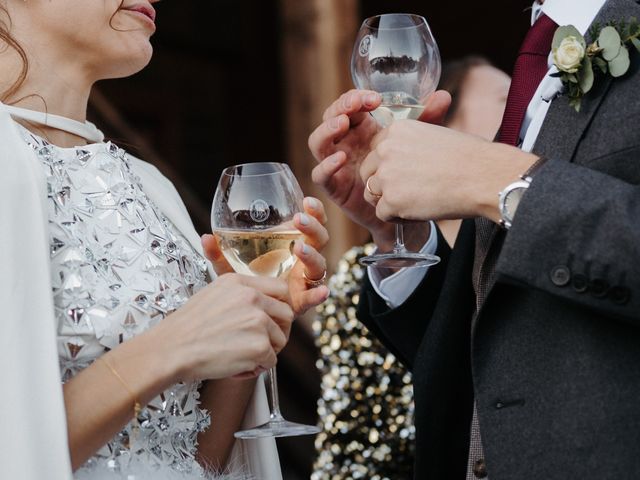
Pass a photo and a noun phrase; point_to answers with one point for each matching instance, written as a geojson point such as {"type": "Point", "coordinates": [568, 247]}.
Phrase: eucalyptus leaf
{"type": "Point", "coordinates": [609, 40]}
{"type": "Point", "coordinates": [565, 31]}
{"type": "Point", "coordinates": [619, 65]}
{"type": "Point", "coordinates": [601, 64]}
{"type": "Point", "coordinates": [576, 103]}
{"type": "Point", "coordinates": [636, 43]}
{"type": "Point", "coordinates": [586, 75]}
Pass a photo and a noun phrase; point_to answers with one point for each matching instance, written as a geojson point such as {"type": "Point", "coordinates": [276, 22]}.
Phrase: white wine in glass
{"type": "Point", "coordinates": [267, 253]}
{"type": "Point", "coordinates": [252, 218]}
{"type": "Point", "coordinates": [397, 56]}
{"type": "Point", "coordinates": [397, 106]}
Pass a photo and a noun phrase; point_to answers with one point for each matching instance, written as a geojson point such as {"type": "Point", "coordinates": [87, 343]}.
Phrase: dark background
{"type": "Point", "coordinates": [214, 95]}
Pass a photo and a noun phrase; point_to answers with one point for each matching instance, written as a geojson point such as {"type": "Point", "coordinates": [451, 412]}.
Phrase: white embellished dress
{"type": "Point", "coordinates": [118, 266]}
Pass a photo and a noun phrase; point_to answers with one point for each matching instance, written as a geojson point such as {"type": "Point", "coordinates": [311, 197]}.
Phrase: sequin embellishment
{"type": "Point", "coordinates": [118, 267]}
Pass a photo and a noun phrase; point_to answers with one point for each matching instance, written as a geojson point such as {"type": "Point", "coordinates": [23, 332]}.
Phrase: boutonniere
{"type": "Point", "coordinates": [608, 54]}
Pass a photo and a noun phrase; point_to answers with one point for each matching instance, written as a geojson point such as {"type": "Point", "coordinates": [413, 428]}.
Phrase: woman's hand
{"type": "Point", "coordinates": [311, 263]}
{"type": "Point", "coordinates": [234, 325]}
{"type": "Point", "coordinates": [342, 142]}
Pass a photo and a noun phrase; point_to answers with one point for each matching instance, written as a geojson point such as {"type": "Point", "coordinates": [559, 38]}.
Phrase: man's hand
{"type": "Point", "coordinates": [312, 263]}
{"type": "Point", "coordinates": [342, 142]}
{"type": "Point", "coordinates": [426, 172]}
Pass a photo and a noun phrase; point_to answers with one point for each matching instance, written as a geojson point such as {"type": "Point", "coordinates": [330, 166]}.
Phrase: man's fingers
{"type": "Point", "coordinates": [353, 102]}
{"type": "Point", "coordinates": [371, 192]}
{"type": "Point", "coordinates": [322, 142]}
{"type": "Point", "coordinates": [323, 174]}
{"type": "Point", "coordinates": [369, 168]}
{"type": "Point", "coordinates": [213, 252]}
{"type": "Point", "coordinates": [436, 108]}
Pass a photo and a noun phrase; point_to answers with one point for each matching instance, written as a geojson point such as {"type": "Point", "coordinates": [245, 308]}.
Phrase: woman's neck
{"type": "Point", "coordinates": [51, 88]}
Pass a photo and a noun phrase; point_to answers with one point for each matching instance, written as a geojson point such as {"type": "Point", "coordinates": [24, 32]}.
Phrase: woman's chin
{"type": "Point", "coordinates": [128, 65]}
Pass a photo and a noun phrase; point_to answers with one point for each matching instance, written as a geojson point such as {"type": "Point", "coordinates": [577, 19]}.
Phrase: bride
{"type": "Point", "coordinates": [119, 357]}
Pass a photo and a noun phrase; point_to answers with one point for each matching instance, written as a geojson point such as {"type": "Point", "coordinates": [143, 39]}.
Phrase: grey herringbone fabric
{"type": "Point", "coordinates": [475, 445]}
{"type": "Point", "coordinates": [488, 240]}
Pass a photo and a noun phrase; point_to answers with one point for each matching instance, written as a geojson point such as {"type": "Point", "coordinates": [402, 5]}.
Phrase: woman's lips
{"type": "Point", "coordinates": [145, 10]}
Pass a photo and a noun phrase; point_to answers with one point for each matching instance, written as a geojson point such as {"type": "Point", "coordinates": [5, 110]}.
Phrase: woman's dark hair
{"type": "Point", "coordinates": [454, 73]}
{"type": "Point", "coordinates": [7, 41]}
{"type": "Point", "coordinates": [10, 42]}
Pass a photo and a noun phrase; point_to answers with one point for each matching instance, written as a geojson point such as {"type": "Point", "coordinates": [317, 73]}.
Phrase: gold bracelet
{"type": "Point", "coordinates": [137, 408]}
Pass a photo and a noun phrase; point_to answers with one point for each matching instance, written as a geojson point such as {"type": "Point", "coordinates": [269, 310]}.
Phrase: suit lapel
{"type": "Point", "coordinates": [563, 127]}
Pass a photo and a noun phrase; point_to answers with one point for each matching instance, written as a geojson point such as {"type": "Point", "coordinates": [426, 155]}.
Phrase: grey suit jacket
{"type": "Point", "coordinates": [553, 358]}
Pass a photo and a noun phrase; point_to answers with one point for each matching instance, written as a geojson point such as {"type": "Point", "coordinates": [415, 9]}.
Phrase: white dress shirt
{"type": "Point", "coordinates": [396, 288]}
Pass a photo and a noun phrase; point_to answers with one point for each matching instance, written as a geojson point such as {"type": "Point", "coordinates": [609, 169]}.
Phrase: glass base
{"type": "Point", "coordinates": [399, 260]}
{"type": "Point", "coordinates": [278, 428]}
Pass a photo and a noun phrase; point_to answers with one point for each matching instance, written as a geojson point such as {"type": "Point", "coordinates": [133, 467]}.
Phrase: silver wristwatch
{"type": "Point", "coordinates": [509, 198]}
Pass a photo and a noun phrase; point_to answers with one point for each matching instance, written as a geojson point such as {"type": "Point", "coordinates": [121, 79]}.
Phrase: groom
{"type": "Point", "coordinates": [525, 340]}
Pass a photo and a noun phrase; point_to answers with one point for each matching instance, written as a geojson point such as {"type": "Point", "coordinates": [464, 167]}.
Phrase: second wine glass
{"type": "Point", "coordinates": [397, 56]}
{"type": "Point", "coordinates": [252, 217]}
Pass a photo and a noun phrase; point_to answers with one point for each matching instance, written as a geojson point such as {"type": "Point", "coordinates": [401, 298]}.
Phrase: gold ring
{"type": "Point", "coordinates": [376, 195]}
{"type": "Point", "coordinates": [314, 283]}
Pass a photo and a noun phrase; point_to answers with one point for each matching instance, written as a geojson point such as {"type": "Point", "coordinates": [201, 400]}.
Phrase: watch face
{"type": "Point", "coordinates": [512, 201]}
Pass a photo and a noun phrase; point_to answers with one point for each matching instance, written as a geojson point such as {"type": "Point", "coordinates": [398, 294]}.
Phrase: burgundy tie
{"type": "Point", "coordinates": [530, 68]}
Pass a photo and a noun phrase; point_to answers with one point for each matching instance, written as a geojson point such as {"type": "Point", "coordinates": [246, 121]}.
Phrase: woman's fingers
{"type": "Point", "coordinates": [315, 208]}
{"type": "Point", "coordinates": [213, 252]}
{"type": "Point", "coordinates": [315, 265]}
{"type": "Point", "coordinates": [312, 297]}
{"type": "Point", "coordinates": [277, 337]}
{"type": "Point", "coordinates": [315, 234]}
{"type": "Point", "coordinates": [281, 313]}
{"type": "Point", "coordinates": [273, 287]}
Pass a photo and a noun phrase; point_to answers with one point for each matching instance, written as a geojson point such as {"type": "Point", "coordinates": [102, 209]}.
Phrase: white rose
{"type": "Point", "coordinates": [568, 56]}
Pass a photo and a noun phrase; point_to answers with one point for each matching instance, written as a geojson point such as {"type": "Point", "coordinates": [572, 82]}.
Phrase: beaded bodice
{"type": "Point", "coordinates": [118, 267]}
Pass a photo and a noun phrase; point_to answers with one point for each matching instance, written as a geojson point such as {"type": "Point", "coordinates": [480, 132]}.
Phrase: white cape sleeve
{"type": "Point", "coordinates": [33, 435]}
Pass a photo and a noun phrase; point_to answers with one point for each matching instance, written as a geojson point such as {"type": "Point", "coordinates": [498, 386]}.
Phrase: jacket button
{"type": "Point", "coordinates": [560, 275]}
{"type": "Point", "coordinates": [620, 295]}
{"type": "Point", "coordinates": [598, 288]}
{"type": "Point", "coordinates": [480, 468]}
{"type": "Point", "coordinates": [580, 283]}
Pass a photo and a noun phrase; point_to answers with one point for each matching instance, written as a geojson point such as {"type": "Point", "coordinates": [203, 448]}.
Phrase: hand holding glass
{"type": "Point", "coordinates": [252, 218]}
{"type": "Point", "coordinates": [396, 56]}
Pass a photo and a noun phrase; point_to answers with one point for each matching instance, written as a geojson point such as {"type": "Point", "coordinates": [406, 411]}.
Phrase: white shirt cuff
{"type": "Point", "coordinates": [396, 288]}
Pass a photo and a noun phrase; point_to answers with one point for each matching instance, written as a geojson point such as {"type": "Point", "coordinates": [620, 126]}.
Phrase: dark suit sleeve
{"type": "Point", "coordinates": [401, 329]}
{"type": "Point", "coordinates": [576, 235]}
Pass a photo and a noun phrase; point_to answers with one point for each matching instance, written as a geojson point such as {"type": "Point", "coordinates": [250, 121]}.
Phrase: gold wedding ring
{"type": "Point", "coordinates": [376, 195]}
{"type": "Point", "coordinates": [314, 283]}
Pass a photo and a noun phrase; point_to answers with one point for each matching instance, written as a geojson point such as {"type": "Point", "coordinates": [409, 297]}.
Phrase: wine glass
{"type": "Point", "coordinates": [397, 56]}
{"type": "Point", "coordinates": [252, 218]}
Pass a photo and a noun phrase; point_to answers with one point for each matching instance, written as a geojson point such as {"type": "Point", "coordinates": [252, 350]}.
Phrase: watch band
{"type": "Point", "coordinates": [533, 168]}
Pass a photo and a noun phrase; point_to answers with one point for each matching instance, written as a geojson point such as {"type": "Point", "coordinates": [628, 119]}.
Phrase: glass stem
{"type": "Point", "coordinates": [272, 387]}
{"type": "Point", "coordinates": [399, 246]}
